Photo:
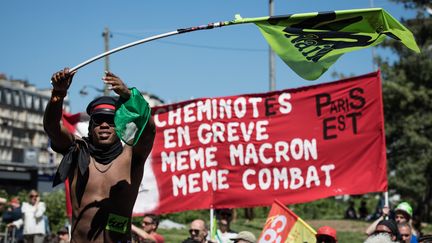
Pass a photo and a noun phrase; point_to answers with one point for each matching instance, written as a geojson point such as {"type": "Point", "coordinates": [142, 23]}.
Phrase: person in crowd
{"type": "Point", "coordinates": [224, 213]}
{"type": "Point", "coordinates": [378, 212]}
{"type": "Point", "coordinates": [32, 219]}
{"type": "Point", "coordinates": [326, 234]}
{"type": "Point", "coordinates": [63, 235]}
{"type": "Point", "coordinates": [14, 213]}
{"type": "Point", "coordinates": [244, 237]}
{"type": "Point", "coordinates": [405, 232]}
{"type": "Point", "coordinates": [350, 212]}
{"type": "Point", "coordinates": [363, 211]}
{"type": "Point", "coordinates": [224, 233]}
{"type": "Point", "coordinates": [249, 214]}
{"type": "Point", "coordinates": [198, 232]}
{"type": "Point", "coordinates": [104, 176]}
{"type": "Point", "coordinates": [404, 213]}
{"type": "Point", "coordinates": [148, 233]}
{"type": "Point", "coordinates": [379, 238]}
{"type": "Point", "coordinates": [388, 226]}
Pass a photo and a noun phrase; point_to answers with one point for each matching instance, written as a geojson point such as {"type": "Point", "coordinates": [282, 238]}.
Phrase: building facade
{"type": "Point", "coordinates": [26, 162]}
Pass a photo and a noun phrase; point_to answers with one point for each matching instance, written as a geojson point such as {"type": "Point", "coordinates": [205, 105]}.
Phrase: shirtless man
{"type": "Point", "coordinates": [104, 176]}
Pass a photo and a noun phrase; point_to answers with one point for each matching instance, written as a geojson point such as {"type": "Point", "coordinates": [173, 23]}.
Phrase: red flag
{"type": "Point", "coordinates": [70, 122]}
{"type": "Point", "coordinates": [283, 225]}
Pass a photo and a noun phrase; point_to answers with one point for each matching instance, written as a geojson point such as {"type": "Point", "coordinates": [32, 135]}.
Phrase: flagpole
{"type": "Point", "coordinates": [386, 199]}
{"type": "Point", "coordinates": [211, 221]}
{"type": "Point", "coordinates": [272, 80]}
{"type": "Point", "coordinates": [151, 38]}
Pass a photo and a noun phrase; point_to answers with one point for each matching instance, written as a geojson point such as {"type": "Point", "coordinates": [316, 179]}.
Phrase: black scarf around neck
{"type": "Point", "coordinates": [104, 154]}
{"type": "Point", "coordinates": [80, 152]}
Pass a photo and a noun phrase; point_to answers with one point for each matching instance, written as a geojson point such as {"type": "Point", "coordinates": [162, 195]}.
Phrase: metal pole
{"type": "Point", "coordinates": [374, 68]}
{"type": "Point", "coordinates": [148, 39]}
{"type": "Point", "coordinates": [106, 35]}
{"type": "Point", "coordinates": [272, 80]}
{"type": "Point", "coordinates": [386, 199]}
{"type": "Point", "coordinates": [211, 222]}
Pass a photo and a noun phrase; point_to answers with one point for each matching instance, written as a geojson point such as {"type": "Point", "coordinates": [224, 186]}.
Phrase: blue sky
{"type": "Point", "coordinates": [38, 38]}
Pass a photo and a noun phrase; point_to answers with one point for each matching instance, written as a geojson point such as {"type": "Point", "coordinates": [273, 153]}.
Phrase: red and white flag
{"type": "Point", "coordinates": [283, 225]}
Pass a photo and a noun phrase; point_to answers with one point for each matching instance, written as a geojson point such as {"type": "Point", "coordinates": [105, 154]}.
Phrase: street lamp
{"type": "Point", "coordinates": [83, 91]}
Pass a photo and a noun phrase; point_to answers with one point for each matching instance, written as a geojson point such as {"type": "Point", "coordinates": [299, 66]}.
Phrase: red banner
{"type": "Point", "coordinates": [297, 145]}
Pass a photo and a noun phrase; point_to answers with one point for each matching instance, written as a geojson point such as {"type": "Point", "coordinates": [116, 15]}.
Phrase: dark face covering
{"type": "Point", "coordinates": [103, 154]}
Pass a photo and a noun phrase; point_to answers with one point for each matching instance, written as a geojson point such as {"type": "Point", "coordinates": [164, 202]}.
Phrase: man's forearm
{"type": "Point", "coordinates": [53, 113]}
{"type": "Point", "coordinates": [371, 228]}
{"type": "Point", "coordinates": [61, 139]}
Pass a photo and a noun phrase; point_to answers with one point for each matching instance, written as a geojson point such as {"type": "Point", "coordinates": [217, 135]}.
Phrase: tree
{"type": "Point", "coordinates": [407, 94]}
{"type": "Point", "coordinates": [56, 209]}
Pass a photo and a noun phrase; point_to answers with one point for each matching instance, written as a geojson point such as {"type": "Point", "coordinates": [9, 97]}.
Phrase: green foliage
{"type": "Point", "coordinates": [329, 208]}
{"type": "Point", "coordinates": [347, 236]}
{"type": "Point", "coordinates": [187, 216]}
{"type": "Point", "coordinates": [3, 193]}
{"type": "Point", "coordinates": [55, 209]}
{"type": "Point", "coordinates": [332, 208]}
{"type": "Point", "coordinates": [407, 94]}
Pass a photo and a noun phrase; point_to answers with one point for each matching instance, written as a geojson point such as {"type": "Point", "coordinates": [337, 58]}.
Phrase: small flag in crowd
{"type": "Point", "coordinates": [283, 225]}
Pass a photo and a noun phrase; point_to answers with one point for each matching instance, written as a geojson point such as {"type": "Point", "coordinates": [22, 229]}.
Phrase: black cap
{"type": "Point", "coordinates": [63, 230]}
{"type": "Point", "coordinates": [392, 225]}
{"type": "Point", "coordinates": [103, 104]}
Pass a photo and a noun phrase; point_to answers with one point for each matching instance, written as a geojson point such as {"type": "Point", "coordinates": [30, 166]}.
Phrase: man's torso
{"type": "Point", "coordinates": [103, 203]}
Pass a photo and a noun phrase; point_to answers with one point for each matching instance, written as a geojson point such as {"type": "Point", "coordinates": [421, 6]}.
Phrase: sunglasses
{"type": "Point", "coordinates": [194, 231]}
{"type": "Point", "coordinates": [33, 196]}
{"type": "Point", "coordinates": [325, 238]}
{"type": "Point", "coordinates": [101, 118]}
{"type": "Point", "coordinates": [147, 223]}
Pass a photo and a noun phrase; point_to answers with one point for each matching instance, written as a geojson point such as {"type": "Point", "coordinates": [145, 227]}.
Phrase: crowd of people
{"type": "Point", "coordinates": [27, 222]}
{"type": "Point", "coordinates": [392, 226]}
{"type": "Point", "coordinates": [104, 177]}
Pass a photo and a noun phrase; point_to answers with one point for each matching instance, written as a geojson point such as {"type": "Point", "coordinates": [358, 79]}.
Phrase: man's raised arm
{"type": "Point", "coordinates": [61, 138]}
{"type": "Point", "coordinates": [143, 141]}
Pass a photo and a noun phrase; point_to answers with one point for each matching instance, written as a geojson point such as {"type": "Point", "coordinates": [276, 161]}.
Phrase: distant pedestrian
{"type": "Point", "coordinates": [405, 232]}
{"type": "Point", "coordinates": [32, 219]}
{"type": "Point", "coordinates": [388, 226]}
{"type": "Point", "coordinates": [224, 232]}
{"type": "Point", "coordinates": [63, 235]}
{"type": "Point", "coordinates": [363, 211]}
{"type": "Point", "coordinates": [148, 232]}
{"type": "Point", "coordinates": [244, 237]}
{"type": "Point", "coordinates": [326, 234]}
{"type": "Point", "coordinates": [350, 212]}
{"type": "Point", "coordinates": [13, 213]}
{"type": "Point", "coordinates": [198, 232]}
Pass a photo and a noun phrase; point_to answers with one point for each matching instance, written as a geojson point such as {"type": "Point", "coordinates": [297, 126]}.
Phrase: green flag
{"type": "Point", "coordinates": [310, 43]}
{"type": "Point", "coordinates": [131, 117]}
